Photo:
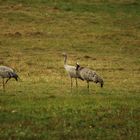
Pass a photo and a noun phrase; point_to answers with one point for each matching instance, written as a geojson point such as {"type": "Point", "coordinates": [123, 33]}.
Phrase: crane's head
{"type": "Point", "coordinates": [15, 76]}
{"type": "Point", "coordinates": [100, 80]}
{"type": "Point", "coordinates": [64, 54]}
{"type": "Point", "coordinates": [77, 66]}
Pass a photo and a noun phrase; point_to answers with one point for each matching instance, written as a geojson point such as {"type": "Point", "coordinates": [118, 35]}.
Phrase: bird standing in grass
{"type": "Point", "coordinates": [88, 75]}
{"type": "Point", "coordinates": [71, 70]}
{"type": "Point", "coordinates": [7, 72]}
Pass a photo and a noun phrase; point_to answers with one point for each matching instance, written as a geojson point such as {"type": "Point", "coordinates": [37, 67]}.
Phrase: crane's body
{"type": "Point", "coordinates": [71, 70]}
{"type": "Point", "coordinates": [7, 72]}
{"type": "Point", "coordinates": [88, 75]}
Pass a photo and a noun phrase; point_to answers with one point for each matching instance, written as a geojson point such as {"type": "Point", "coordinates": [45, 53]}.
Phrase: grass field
{"type": "Point", "coordinates": [103, 35]}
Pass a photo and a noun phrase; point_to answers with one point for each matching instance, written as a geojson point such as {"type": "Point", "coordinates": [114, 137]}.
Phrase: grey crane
{"type": "Point", "coordinates": [71, 70]}
{"type": "Point", "coordinates": [8, 73]}
{"type": "Point", "coordinates": [88, 75]}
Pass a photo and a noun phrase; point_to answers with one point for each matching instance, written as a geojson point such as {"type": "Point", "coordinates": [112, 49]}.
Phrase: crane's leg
{"type": "Point", "coordinates": [7, 80]}
{"type": "Point", "coordinates": [71, 83]}
{"type": "Point", "coordinates": [3, 83]}
{"type": "Point", "coordinates": [76, 82]}
{"type": "Point", "coordinates": [88, 85]}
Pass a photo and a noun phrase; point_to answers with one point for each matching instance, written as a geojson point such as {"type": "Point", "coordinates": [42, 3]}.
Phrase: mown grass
{"type": "Point", "coordinates": [102, 35]}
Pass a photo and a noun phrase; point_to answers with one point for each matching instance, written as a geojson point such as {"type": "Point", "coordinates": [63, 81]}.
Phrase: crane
{"type": "Point", "coordinates": [71, 70]}
{"type": "Point", "coordinates": [7, 72]}
{"type": "Point", "coordinates": [88, 75]}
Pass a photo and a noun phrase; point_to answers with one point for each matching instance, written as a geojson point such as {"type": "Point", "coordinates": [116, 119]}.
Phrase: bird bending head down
{"type": "Point", "coordinates": [88, 75]}
{"type": "Point", "coordinates": [7, 73]}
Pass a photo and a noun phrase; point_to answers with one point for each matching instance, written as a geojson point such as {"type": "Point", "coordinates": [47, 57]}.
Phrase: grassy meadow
{"type": "Point", "coordinates": [103, 35]}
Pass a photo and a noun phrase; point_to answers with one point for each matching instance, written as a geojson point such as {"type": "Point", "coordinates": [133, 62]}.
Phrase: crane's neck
{"type": "Point", "coordinates": [65, 60]}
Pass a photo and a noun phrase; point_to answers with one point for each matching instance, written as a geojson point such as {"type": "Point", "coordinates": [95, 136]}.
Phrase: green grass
{"type": "Point", "coordinates": [102, 35]}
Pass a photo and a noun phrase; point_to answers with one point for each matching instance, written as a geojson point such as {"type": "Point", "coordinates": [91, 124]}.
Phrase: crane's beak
{"type": "Point", "coordinates": [16, 78]}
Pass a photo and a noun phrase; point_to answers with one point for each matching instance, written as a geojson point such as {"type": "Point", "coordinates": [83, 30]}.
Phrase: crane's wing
{"type": "Point", "coordinates": [87, 74]}
{"type": "Point", "coordinates": [5, 72]}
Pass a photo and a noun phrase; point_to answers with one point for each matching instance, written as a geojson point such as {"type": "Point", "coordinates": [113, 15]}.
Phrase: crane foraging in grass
{"type": "Point", "coordinates": [71, 70]}
{"type": "Point", "coordinates": [7, 72]}
{"type": "Point", "coordinates": [88, 75]}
